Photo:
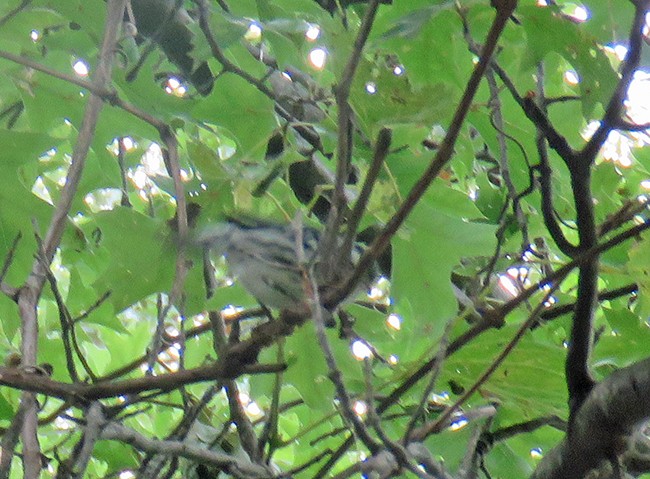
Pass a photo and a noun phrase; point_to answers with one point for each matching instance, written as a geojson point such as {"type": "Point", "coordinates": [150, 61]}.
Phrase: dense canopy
{"type": "Point", "coordinates": [485, 162]}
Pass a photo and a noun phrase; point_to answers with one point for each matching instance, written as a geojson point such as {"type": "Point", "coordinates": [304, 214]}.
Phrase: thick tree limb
{"type": "Point", "coordinates": [36, 382]}
{"type": "Point", "coordinates": [602, 425]}
{"type": "Point", "coordinates": [579, 380]}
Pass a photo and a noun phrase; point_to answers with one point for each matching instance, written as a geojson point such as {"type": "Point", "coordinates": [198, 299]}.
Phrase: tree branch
{"type": "Point", "coordinates": [328, 242]}
{"type": "Point", "coordinates": [602, 425]}
{"type": "Point", "coordinates": [443, 156]}
{"type": "Point", "coordinates": [239, 468]}
{"type": "Point", "coordinates": [612, 115]}
{"type": "Point", "coordinates": [30, 293]}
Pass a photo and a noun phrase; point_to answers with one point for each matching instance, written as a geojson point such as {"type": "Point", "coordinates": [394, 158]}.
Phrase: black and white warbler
{"type": "Point", "coordinates": [263, 257]}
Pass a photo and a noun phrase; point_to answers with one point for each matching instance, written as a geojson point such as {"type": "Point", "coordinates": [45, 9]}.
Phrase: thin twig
{"type": "Point", "coordinates": [473, 455]}
{"type": "Point", "coordinates": [152, 464]}
{"type": "Point", "coordinates": [545, 179]}
{"type": "Point", "coordinates": [382, 146]}
{"type": "Point", "coordinates": [106, 94]}
{"type": "Point", "coordinates": [399, 453]}
{"type": "Point", "coordinates": [606, 295]}
{"type": "Point", "coordinates": [238, 415]}
{"type": "Point", "coordinates": [269, 434]}
{"type": "Point", "coordinates": [12, 13]}
{"type": "Point", "coordinates": [525, 428]}
{"type": "Point", "coordinates": [121, 153]}
{"type": "Point", "coordinates": [156, 341]}
{"type": "Point", "coordinates": [92, 307]}
{"type": "Point", "coordinates": [66, 325]}
{"type": "Point", "coordinates": [436, 367]}
{"type": "Point", "coordinates": [92, 430]}
{"type": "Point", "coordinates": [328, 244]}
{"type": "Point", "coordinates": [419, 434]}
{"type": "Point", "coordinates": [9, 259]}
{"type": "Point", "coordinates": [81, 394]}
{"type": "Point", "coordinates": [311, 287]}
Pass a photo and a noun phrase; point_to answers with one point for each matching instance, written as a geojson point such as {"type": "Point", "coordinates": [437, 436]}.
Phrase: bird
{"type": "Point", "coordinates": [263, 257]}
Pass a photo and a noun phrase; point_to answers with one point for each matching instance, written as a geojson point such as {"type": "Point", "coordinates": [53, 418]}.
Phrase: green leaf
{"type": "Point", "coordinates": [597, 77]}
{"type": "Point", "coordinates": [382, 98]}
{"type": "Point", "coordinates": [307, 371]}
{"type": "Point", "coordinates": [639, 269]}
{"type": "Point", "coordinates": [624, 343]}
{"type": "Point", "coordinates": [242, 111]}
{"type": "Point", "coordinates": [6, 409]}
{"type": "Point", "coordinates": [141, 252]}
{"type": "Point", "coordinates": [117, 455]}
{"type": "Point", "coordinates": [429, 44]}
{"type": "Point", "coordinates": [530, 381]}
{"type": "Point", "coordinates": [436, 236]}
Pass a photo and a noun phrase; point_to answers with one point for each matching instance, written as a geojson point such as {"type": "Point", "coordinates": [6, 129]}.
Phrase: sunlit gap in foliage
{"type": "Point", "coordinates": [513, 281]}
{"type": "Point", "coordinates": [441, 399]}
{"type": "Point", "coordinates": [360, 408]}
{"type": "Point", "coordinates": [63, 424]}
{"type": "Point", "coordinates": [473, 192]}
{"type": "Point", "coordinates": [317, 58]}
{"type": "Point", "coordinates": [571, 78]}
{"type": "Point", "coordinates": [250, 406]}
{"type": "Point", "coordinates": [577, 12]}
{"type": "Point", "coordinates": [230, 311]}
{"type": "Point", "coordinates": [551, 300]}
{"type": "Point", "coordinates": [151, 165]}
{"type": "Point", "coordinates": [394, 321]}
{"type": "Point", "coordinates": [313, 32]}
{"type": "Point", "coordinates": [128, 143]}
{"type": "Point", "coordinates": [174, 86]}
{"type": "Point", "coordinates": [172, 331]}
{"type": "Point", "coordinates": [80, 67]}
{"type": "Point", "coordinates": [620, 145]}
{"type": "Point", "coordinates": [103, 199]}
{"type": "Point", "coordinates": [361, 350]}
{"type": "Point", "coordinates": [170, 357]}
{"type": "Point", "coordinates": [55, 176]}
{"type": "Point", "coordinates": [380, 292]}
{"type": "Point", "coordinates": [143, 310]}
{"type": "Point", "coordinates": [199, 320]}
